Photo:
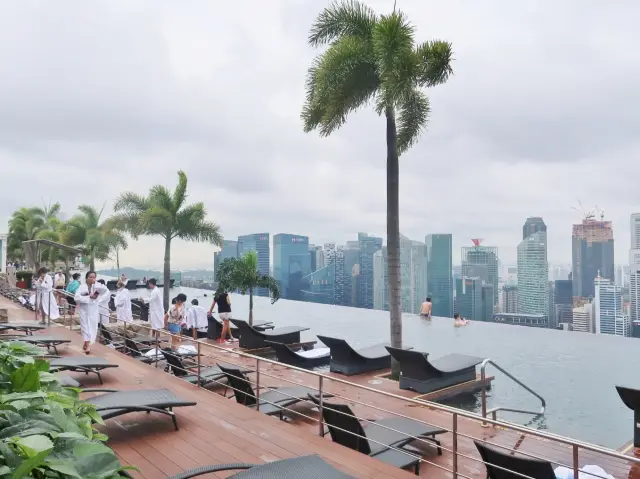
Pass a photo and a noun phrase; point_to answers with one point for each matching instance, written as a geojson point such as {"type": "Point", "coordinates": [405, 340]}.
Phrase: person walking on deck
{"type": "Point", "coordinates": [87, 300]}
{"type": "Point", "coordinates": [174, 318]}
{"type": "Point", "coordinates": [123, 303]}
{"type": "Point", "coordinates": [425, 309]}
{"type": "Point", "coordinates": [224, 311]}
{"type": "Point", "coordinates": [156, 310]}
{"type": "Point", "coordinates": [44, 288]}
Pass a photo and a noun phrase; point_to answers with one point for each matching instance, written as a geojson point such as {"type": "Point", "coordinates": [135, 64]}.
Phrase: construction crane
{"type": "Point", "coordinates": [586, 215]}
{"type": "Point", "coordinates": [601, 211]}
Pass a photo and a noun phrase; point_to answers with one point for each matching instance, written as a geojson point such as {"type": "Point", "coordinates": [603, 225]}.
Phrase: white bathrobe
{"type": "Point", "coordinates": [123, 305]}
{"type": "Point", "coordinates": [89, 313]}
{"type": "Point", "coordinates": [103, 306]}
{"type": "Point", "coordinates": [46, 297]}
{"type": "Point", "coordinates": [156, 309]}
{"type": "Point", "coordinates": [197, 318]}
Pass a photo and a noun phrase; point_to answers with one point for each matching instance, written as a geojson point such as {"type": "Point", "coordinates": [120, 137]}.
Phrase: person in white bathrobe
{"type": "Point", "coordinates": [87, 303]}
{"type": "Point", "coordinates": [46, 299]}
{"type": "Point", "coordinates": [196, 319]}
{"type": "Point", "coordinates": [156, 309]}
{"type": "Point", "coordinates": [123, 303]}
{"type": "Point", "coordinates": [103, 304]}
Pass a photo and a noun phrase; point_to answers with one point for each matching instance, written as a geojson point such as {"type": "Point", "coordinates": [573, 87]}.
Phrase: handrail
{"type": "Point", "coordinates": [494, 411]}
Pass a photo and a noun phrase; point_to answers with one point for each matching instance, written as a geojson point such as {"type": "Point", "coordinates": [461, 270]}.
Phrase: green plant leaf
{"type": "Point", "coordinates": [4, 470]}
{"type": "Point", "coordinates": [63, 467]}
{"type": "Point", "coordinates": [29, 465]}
{"type": "Point", "coordinates": [33, 445]}
{"type": "Point", "coordinates": [27, 428]}
{"type": "Point", "coordinates": [41, 365]}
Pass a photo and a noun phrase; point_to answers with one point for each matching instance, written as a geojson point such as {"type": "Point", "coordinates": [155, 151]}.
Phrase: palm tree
{"type": "Point", "coordinates": [96, 238]}
{"type": "Point", "coordinates": [25, 224]}
{"type": "Point", "coordinates": [374, 59]}
{"type": "Point", "coordinates": [243, 274]}
{"type": "Point", "coordinates": [164, 213]}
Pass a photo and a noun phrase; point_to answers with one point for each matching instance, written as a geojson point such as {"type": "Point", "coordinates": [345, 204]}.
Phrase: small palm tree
{"type": "Point", "coordinates": [164, 213]}
{"type": "Point", "coordinates": [375, 59]}
{"type": "Point", "coordinates": [243, 274]}
{"type": "Point", "coordinates": [96, 239]}
{"type": "Point", "coordinates": [25, 224]}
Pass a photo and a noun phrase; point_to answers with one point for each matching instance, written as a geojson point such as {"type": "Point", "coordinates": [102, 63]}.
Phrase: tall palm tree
{"type": "Point", "coordinates": [164, 213]}
{"type": "Point", "coordinates": [375, 59]}
{"type": "Point", "coordinates": [97, 238]}
{"type": "Point", "coordinates": [243, 274]}
{"type": "Point", "coordinates": [25, 224]}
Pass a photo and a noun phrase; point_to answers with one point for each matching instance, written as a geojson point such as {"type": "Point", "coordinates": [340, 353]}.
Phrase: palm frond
{"type": "Point", "coordinates": [157, 221]}
{"type": "Point", "coordinates": [413, 114]}
{"type": "Point", "coordinates": [90, 216]}
{"type": "Point", "coordinates": [130, 202]}
{"type": "Point", "coordinates": [180, 193]}
{"type": "Point", "coordinates": [161, 197]}
{"type": "Point", "coordinates": [435, 62]}
{"type": "Point", "coordinates": [347, 17]}
{"type": "Point", "coordinates": [272, 285]}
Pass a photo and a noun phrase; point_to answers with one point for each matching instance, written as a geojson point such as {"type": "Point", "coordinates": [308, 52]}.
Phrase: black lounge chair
{"type": "Point", "coordinates": [107, 338]}
{"type": "Point", "coordinates": [50, 342]}
{"type": "Point", "coordinates": [631, 398]}
{"type": "Point", "coordinates": [27, 328]}
{"type": "Point", "coordinates": [116, 403]}
{"type": "Point", "coordinates": [142, 307]}
{"type": "Point", "coordinates": [305, 467]}
{"type": "Point", "coordinates": [418, 373]}
{"type": "Point", "coordinates": [273, 401]}
{"type": "Point", "coordinates": [306, 359]}
{"type": "Point", "coordinates": [135, 352]}
{"type": "Point", "coordinates": [349, 361]}
{"type": "Point", "coordinates": [208, 374]}
{"type": "Point", "coordinates": [517, 466]}
{"type": "Point", "coordinates": [214, 329]}
{"type": "Point", "coordinates": [377, 438]}
{"type": "Point", "coordinates": [85, 364]}
{"type": "Point", "coordinates": [251, 338]}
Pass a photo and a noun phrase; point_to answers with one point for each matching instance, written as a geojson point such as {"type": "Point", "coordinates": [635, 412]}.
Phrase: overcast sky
{"type": "Point", "coordinates": [97, 97]}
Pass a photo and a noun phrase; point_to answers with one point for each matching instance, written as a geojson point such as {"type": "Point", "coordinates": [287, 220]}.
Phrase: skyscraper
{"type": "Point", "coordinates": [229, 250]}
{"type": "Point", "coordinates": [510, 299]}
{"type": "Point", "coordinates": [533, 270]}
{"type": "Point", "coordinates": [316, 257]}
{"type": "Point", "coordinates": [291, 263]}
{"type": "Point", "coordinates": [634, 270]}
{"type": "Point", "coordinates": [258, 242]}
{"type": "Point", "coordinates": [563, 301]}
{"type": "Point", "coordinates": [610, 318]}
{"type": "Point", "coordinates": [471, 299]}
{"type": "Point", "coordinates": [351, 274]}
{"type": "Point", "coordinates": [440, 273]}
{"type": "Point", "coordinates": [367, 246]}
{"type": "Point", "coordinates": [380, 280]}
{"type": "Point", "coordinates": [533, 224]}
{"type": "Point", "coordinates": [592, 245]}
{"type": "Point", "coordinates": [481, 261]}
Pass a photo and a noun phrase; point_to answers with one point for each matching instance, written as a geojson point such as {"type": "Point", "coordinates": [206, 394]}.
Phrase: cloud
{"type": "Point", "coordinates": [106, 96]}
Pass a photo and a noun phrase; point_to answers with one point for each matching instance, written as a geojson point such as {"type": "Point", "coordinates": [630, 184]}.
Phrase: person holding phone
{"type": "Point", "coordinates": [87, 300]}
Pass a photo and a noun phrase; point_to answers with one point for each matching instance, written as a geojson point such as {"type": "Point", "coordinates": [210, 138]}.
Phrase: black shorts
{"type": "Point", "coordinates": [71, 300]}
{"type": "Point", "coordinates": [59, 287]}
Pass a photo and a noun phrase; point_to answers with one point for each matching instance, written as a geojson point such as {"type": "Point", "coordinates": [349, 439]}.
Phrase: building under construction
{"type": "Point", "coordinates": [592, 245]}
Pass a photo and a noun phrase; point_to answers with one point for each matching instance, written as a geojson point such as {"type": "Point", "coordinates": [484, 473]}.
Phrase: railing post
{"type": "Point", "coordinates": [454, 449]}
{"type": "Point", "coordinates": [257, 384]}
{"type": "Point", "coordinates": [157, 333]}
{"type": "Point", "coordinates": [320, 406]}
{"type": "Point", "coordinates": [483, 377]}
{"type": "Point", "coordinates": [50, 293]}
{"type": "Point", "coordinates": [576, 464]}
{"type": "Point", "coordinates": [198, 352]}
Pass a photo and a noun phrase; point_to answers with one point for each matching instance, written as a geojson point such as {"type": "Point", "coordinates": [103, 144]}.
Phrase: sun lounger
{"type": "Point", "coordinates": [50, 342]}
{"type": "Point", "coordinates": [305, 467]}
{"type": "Point", "coordinates": [418, 373]}
{"type": "Point", "coordinates": [116, 403]}
{"type": "Point", "coordinates": [375, 438]}
{"type": "Point", "coordinates": [273, 401]}
{"type": "Point", "coordinates": [27, 328]}
{"type": "Point", "coordinates": [85, 364]}
{"type": "Point", "coordinates": [523, 466]}
{"type": "Point", "coordinates": [131, 348]}
{"type": "Point", "coordinates": [303, 359]}
{"type": "Point", "coordinates": [631, 398]}
{"type": "Point", "coordinates": [251, 338]}
{"type": "Point", "coordinates": [208, 374]}
{"type": "Point", "coordinates": [349, 361]}
{"type": "Point", "coordinates": [214, 329]}
{"type": "Point", "coordinates": [107, 337]}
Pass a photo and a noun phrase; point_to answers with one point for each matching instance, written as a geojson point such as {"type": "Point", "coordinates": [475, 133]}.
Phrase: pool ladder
{"type": "Point", "coordinates": [494, 411]}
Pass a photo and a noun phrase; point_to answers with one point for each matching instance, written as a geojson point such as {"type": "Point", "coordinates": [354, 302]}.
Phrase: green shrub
{"type": "Point", "coordinates": [24, 275]}
{"type": "Point", "coordinates": [45, 430]}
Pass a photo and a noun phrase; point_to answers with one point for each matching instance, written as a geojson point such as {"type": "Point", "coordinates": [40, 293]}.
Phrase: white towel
{"type": "Point", "coordinates": [587, 472]}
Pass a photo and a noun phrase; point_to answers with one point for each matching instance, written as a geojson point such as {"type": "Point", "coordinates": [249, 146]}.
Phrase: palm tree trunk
{"type": "Point", "coordinates": [92, 263]}
{"type": "Point", "coordinates": [118, 261]}
{"type": "Point", "coordinates": [250, 306]}
{"type": "Point", "coordinates": [393, 236]}
{"type": "Point", "coordinates": [167, 273]}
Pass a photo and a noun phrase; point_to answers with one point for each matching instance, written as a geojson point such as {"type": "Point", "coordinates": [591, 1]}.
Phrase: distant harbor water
{"type": "Point", "coordinates": [575, 372]}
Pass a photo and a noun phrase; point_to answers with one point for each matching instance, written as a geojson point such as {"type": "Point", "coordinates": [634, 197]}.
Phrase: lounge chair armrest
{"type": "Point", "coordinates": [199, 471]}
{"type": "Point", "coordinates": [99, 390]}
{"type": "Point", "coordinates": [135, 408]}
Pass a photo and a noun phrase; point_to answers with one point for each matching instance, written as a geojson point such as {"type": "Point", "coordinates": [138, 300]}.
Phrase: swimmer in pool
{"type": "Point", "coordinates": [425, 309]}
{"type": "Point", "coordinates": [459, 321]}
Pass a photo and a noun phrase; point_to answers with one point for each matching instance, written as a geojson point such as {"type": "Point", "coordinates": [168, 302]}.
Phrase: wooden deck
{"type": "Point", "coordinates": [218, 430]}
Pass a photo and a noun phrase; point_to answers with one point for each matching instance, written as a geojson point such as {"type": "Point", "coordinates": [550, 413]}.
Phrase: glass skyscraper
{"type": "Point", "coordinates": [229, 250]}
{"type": "Point", "coordinates": [592, 245]}
{"type": "Point", "coordinates": [368, 246]}
{"type": "Point", "coordinates": [440, 273]}
{"type": "Point", "coordinates": [481, 261]}
{"type": "Point", "coordinates": [533, 275]}
{"type": "Point", "coordinates": [610, 318]}
{"type": "Point", "coordinates": [258, 242]}
{"type": "Point", "coordinates": [291, 263]}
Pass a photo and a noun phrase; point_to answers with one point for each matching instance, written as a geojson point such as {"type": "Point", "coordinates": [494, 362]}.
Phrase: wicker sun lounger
{"type": "Point", "coordinates": [214, 329]}
{"type": "Point", "coordinates": [376, 438]}
{"type": "Point", "coordinates": [347, 360]}
{"type": "Point", "coordinates": [251, 338]}
{"type": "Point", "coordinates": [305, 467]}
{"type": "Point", "coordinates": [27, 328]}
{"type": "Point", "coordinates": [116, 403]}
{"type": "Point", "coordinates": [418, 373]}
{"type": "Point", "coordinates": [85, 364]}
{"type": "Point", "coordinates": [273, 401]}
{"type": "Point", "coordinates": [50, 342]}
{"type": "Point", "coordinates": [520, 465]}
{"type": "Point", "coordinates": [305, 359]}
{"type": "Point", "coordinates": [208, 374]}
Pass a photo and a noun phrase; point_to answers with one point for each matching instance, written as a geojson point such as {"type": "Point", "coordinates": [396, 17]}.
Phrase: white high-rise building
{"type": "Point", "coordinates": [609, 314]}
{"type": "Point", "coordinates": [583, 320]}
{"type": "Point", "coordinates": [635, 231]}
{"type": "Point", "coordinates": [533, 275]}
{"type": "Point", "coordinates": [634, 268]}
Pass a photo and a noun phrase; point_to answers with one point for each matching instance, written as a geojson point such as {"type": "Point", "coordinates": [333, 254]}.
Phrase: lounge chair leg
{"type": "Point", "coordinates": [438, 446]}
{"type": "Point", "coordinates": [55, 349]}
{"type": "Point", "coordinates": [175, 421]}
{"type": "Point", "coordinates": [418, 468]}
{"type": "Point", "coordinates": [99, 377]}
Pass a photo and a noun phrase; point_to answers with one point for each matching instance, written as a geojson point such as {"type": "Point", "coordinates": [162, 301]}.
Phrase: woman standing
{"type": "Point", "coordinates": [72, 287]}
{"type": "Point", "coordinates": [87, 300]}
{"type": "Point", "coordinates": [175, 317]}
{"type": "Point", "coordinates": [156, 310]}
{"type": "Point", "coordinates": [123, 303]}
{"type": "Point", "coordinates": [44, 289]}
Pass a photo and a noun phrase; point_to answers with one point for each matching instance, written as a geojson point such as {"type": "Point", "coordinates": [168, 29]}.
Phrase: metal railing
{"type": "Point", "coordinates": [494, 411]}
{"type": "Point", "coordinates": [266, 373]}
